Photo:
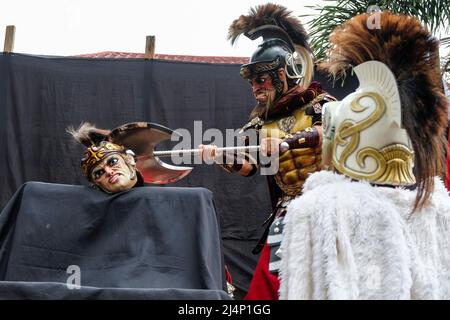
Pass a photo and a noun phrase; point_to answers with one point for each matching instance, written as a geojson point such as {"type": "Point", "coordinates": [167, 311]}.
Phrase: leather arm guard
{"type": "Point", "coordinates": [308, 138]}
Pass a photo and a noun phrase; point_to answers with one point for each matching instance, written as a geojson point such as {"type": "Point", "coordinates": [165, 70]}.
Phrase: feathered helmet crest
{"type": "Point", "coordinates": [285, 43]}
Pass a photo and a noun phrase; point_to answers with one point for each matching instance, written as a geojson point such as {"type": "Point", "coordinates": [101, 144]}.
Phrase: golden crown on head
{"type": "Point", "coordinates": [96, 153]}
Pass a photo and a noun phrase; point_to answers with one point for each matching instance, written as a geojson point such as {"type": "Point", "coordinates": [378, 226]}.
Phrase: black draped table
{"type": "Point", "coordinates": [65, 241]}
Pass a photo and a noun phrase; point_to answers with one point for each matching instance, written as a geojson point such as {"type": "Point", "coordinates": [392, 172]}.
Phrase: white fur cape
{"type": "Point", "coordinates": [350, 240]}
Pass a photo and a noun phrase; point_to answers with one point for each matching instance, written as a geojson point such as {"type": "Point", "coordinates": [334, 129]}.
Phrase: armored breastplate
{"type": "Point", "coordinates": [294, 165]}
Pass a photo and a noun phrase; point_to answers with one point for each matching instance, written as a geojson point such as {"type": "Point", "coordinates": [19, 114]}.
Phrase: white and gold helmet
{"type": "Point", "coordinates": [363, 135]}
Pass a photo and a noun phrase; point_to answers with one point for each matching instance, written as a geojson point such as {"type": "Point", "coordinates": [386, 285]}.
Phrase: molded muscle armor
{"type": "Point", "coordinates": [295, 164]}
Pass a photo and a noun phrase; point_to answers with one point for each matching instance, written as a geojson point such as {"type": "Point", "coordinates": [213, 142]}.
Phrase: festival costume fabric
{"type": "Point", "coordinates": [362, 242]}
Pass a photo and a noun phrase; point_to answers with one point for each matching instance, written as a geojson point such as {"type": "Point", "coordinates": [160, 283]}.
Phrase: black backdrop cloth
{"type": "Point", "coordinates": [146, 238]}
{"type": "Point", "coordinates": [41, 96]}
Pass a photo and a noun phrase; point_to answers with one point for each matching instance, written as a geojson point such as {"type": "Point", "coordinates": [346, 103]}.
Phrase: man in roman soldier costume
{"type": "Point", "coordinates": [377, 225]}
{"type": "Point", "coordinates": [287, 115]}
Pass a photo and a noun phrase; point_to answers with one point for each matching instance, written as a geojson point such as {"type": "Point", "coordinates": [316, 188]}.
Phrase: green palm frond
{"type": "Point", "coordinates": [446, 70]}
{"type": "Point", "coordinates": [445, 41]}
{"type": "Point", "coordinates": [434, 14]}
{"type": "Point", "coordinates": [445, 66]}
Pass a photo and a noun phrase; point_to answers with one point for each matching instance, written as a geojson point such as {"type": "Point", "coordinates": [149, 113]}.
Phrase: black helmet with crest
{"type": "Point", "coordinates": [285, 45]}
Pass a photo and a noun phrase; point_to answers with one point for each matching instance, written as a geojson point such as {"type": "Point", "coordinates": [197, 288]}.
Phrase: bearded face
{"type": "Point", "coordinates": [263, 89]}
{"type": "Point", "coordinates": [267, 88]}
{"type": "Point", "coordinates": [115, 173]}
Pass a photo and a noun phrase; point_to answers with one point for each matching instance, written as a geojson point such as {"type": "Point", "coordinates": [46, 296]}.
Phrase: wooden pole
{"type": "Point", "coordinates": [150, 47]}
{"type": "Point", "coordinates": [9, 39]}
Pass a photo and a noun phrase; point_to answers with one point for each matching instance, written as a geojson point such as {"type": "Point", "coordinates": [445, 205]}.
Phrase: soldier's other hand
{"type": "Point", "coordinates": [270, 146]}
{"type": "Point", "coordinates": [208, 152]}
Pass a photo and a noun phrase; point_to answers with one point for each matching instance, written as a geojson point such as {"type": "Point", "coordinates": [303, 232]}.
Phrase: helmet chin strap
{"type": "Point", "coordinates": [277, 84]}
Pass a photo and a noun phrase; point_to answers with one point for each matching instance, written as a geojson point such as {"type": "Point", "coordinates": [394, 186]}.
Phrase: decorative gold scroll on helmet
{"type": "Point", "coordinates": [363, 133]}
